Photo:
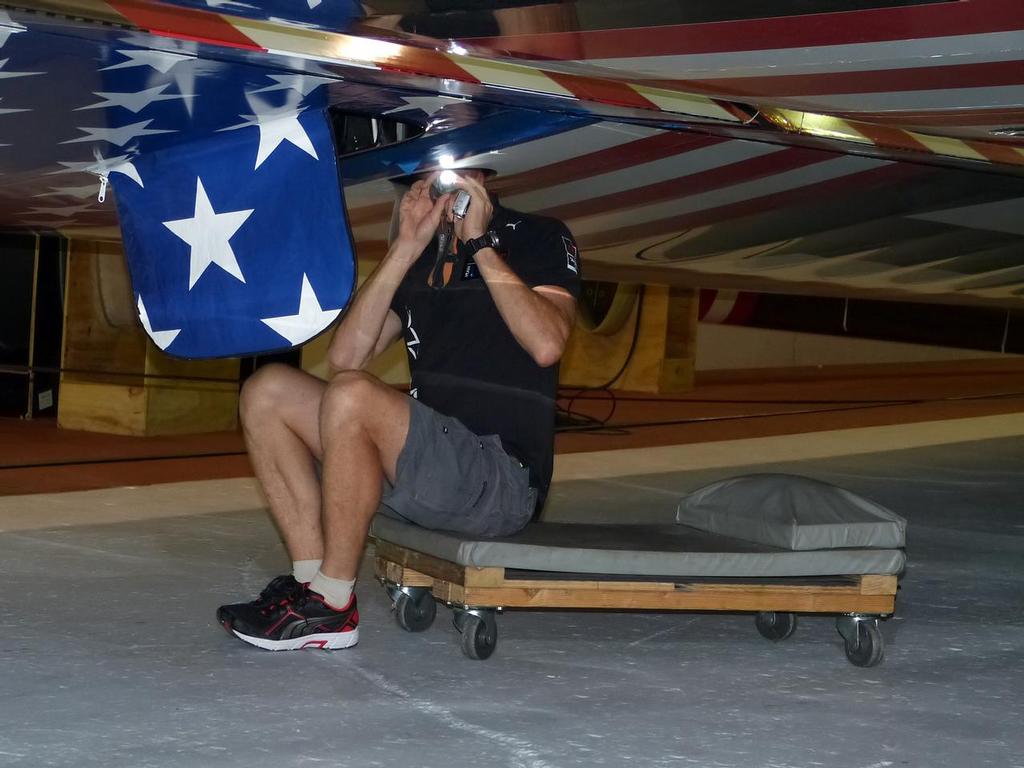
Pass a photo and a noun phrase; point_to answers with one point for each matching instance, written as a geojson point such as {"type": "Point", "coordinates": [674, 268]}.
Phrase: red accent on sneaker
{"type": "Point", "coordinates": [290, 614]}
{"type": "Point", "coordinates": [321, 599]}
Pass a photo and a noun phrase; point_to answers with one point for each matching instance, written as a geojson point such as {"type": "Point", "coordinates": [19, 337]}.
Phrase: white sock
{"type": "Point", "coordinates": [336, 592]}
{"type": "Point", "coordinates": [305, 570]}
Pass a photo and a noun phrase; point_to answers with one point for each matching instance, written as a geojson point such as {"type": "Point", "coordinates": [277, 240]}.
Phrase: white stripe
{"type": "Point", "coordinates": [912, 101]}
{"type": "Point", "coordinates": [982, 132]}
{"type": "Point", "coordinates": [780, 182]}
{"type": "Point", "coordinates": [1001, 216]}
{"type": "Point", "coordinates": [676, 166]}
{"type": "Point", "coordinates": [683, 103]}
{"type": "Point", "coordinates": [943, 145]}
{"type": "Point", "coordinates": [528, 156]}
{"type": "Point", "coordinates": [855, 57]}
{"type": "Point", "coordinates": [725, 302]}
{"type": "Point", "coordinates": [1002, 280]}
{"type": "Point", "coordinates": [563, 146]}
{"type": "Point", "coordinates": [515, 159]}
{"type": "Point", "coordinates": [514, 76]}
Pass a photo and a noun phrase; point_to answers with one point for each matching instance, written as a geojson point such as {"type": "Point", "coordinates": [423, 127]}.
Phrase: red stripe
{"type": "Point", "coordinates": [183, 23]}
{"type": "Point", "coordinates": [884, 136]}
{"type": "Point", "coordinates": [601, 90]}
{"type": "Point", "coordinates": [809, 194]}
{"type": "Point", "coordinates": [685, 186]}
{"type": "Point", "coordinates": [939, 20]}
{"type": "Point", "coordinates": [997, 153]}
{"type": "Point", "coordinates": [739, 313]}
{"type": "Point", "coordinates": [988, 74]}
{"type": "Point", "coordinates": [618, 92]}
{"type": "Point", "coordinates": [954, 117]}
{"type": "Point", "coordinates": [603, 161]}
{"type": "Point", "coordinates": [663, 145]}
{"type": "Point", "coordinates": [706, 298]}
{"type": "Point", "coordinates": [742, 310]}
{"type": "Point", "coordinates": [422, 61]}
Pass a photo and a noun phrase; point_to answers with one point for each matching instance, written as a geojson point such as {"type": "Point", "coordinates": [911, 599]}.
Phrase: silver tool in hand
{"type": "Point", "coordinates": [445, 183]}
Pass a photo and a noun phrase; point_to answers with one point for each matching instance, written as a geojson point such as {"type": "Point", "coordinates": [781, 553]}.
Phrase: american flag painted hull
{"type": "Point", "coordinates": [716, 174]}
{"type": "Point", "coordinates": [956, 68]}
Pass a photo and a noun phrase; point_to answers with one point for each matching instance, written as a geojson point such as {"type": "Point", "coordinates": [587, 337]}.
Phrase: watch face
{"type": "Point", "coordinates": [492, 239]}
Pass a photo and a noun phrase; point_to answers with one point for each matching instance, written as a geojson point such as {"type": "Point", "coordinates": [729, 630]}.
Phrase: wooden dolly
{"type": "Point", "coordinates": [414, 580]}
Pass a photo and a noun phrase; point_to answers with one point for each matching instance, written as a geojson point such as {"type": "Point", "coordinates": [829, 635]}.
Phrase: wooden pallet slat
{"type": "Point", "coordinates": [489, 587]}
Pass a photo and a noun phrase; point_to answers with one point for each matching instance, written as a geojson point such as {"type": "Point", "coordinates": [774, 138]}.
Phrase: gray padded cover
{"type": "Point", "coordinates": [791, 512]}
{"type": "Point", "coordinates": [636, 550]}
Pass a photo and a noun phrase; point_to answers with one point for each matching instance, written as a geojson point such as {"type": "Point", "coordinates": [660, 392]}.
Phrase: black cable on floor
{"type": "Point", "coordinates": [121, 460]}
{"type": "Point", "coordinates": [567, 415]}
{"type": "Point", "coordinates": [777, 401]}
{"type": "Point", "coordinates": [856, 406]}
{"type": "Point", "coordinates": [25, 370]}
{"type": "Point", "coordinates": [736, 417]}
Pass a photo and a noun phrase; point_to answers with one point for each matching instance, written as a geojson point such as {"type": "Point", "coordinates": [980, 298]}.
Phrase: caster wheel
{"type": "Point", "coordinates": [479, 637]}
{"type": "Point", "coordinates": [775, 626]}
{"type": "Point", "coordinates": [415, 614]}
{"type": "Point", "coordinates": [869, 648]}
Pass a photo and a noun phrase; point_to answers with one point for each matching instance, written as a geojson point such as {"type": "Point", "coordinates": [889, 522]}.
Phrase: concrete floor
{"type": "Point", "coordinates": [110, 654]}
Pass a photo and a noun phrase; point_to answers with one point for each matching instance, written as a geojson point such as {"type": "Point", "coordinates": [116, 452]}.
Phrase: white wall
{"type": "Point", "coordinates": [731, 346]}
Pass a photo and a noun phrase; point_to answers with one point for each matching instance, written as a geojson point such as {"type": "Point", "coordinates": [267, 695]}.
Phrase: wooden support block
{"type": "Point", "coordinates": [113, 372]}
{"type": "Point", "coordinates": [875, 584]}
{"type": "Point", "coordinates": [665, 352]}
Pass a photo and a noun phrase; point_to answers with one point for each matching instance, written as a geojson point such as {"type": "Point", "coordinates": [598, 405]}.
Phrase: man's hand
{"type": "Point", "coordinates": [418, 216]}
{"type": "Point", "coordinates": [478, 217]}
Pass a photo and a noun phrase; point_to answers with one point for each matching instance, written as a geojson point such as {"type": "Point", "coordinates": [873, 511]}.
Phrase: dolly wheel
{"type": "Point", "coordinates": [479, 637]}
{"type": "Point", "coordinates": [775, 626]}
{"type": "Point", "coordinates": [415, 614]}
{"type": "Point", "coordinates": [869, 648]}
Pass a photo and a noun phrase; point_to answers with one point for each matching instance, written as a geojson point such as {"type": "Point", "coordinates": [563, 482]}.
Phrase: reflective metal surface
{"type": "Point", "coordinates": [681, 144]}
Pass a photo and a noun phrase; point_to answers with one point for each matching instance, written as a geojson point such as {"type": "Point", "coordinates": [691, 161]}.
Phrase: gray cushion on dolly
{"type": "Point", "coordinates": [791, 512]}
{"type": "Point", "coordinates": [635, 550]}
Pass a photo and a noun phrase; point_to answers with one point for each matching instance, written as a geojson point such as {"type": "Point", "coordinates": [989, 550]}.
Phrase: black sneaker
{"type": "Point", "coordinates": [279, 588]}
{"type": "Point", "coordinates": [301, 619]}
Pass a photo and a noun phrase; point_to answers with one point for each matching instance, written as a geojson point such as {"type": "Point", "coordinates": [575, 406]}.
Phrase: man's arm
{"type": "Point", "coordinates": [369, 326]}
{"type": "Point", "coordinates": [539, 318]}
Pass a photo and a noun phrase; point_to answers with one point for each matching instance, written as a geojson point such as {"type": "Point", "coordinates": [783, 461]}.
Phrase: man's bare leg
{"type": "Point", "coordinates": [280, 411]}
{"type": "Point", "coordinates": [363, 426]}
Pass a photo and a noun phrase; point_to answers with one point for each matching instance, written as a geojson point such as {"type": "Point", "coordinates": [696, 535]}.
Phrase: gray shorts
{"type": "Point", "coordinates": [449, 478]}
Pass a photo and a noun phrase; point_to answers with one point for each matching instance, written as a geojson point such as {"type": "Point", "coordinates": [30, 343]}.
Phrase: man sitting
{"type": "Point", "coordinates": [486, 302]}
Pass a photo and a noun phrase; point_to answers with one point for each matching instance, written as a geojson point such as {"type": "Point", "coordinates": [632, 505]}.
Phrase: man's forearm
{"type": "Point", "coordinates": [540, 325]}
{"type": "Point", "coordinates": [354, 343]}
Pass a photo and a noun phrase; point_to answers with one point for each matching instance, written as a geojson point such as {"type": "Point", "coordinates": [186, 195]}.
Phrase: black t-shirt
{"type": "Point", "coordinates": [464, 360]}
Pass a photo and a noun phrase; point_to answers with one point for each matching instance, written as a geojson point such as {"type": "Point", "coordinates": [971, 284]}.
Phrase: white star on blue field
{"type": "Point", "coordinates": [237, 240]}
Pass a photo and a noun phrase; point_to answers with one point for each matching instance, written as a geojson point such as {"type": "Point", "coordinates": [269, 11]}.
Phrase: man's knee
{"type": "Point", "coordinates": [264, 391]}
{"type": "Point", "coordinates": [351, 398]}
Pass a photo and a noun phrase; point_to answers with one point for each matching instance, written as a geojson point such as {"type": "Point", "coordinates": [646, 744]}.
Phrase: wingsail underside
{"type": "Point", "coordinates": [214, 132]}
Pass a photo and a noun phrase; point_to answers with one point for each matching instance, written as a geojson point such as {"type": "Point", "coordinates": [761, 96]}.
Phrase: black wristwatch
{"type": "Point", "coordinates": [488, 239]}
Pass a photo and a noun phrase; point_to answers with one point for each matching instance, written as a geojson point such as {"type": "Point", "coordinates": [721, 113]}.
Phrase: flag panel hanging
{"type": "Point", "coordinates": [237, 241]}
